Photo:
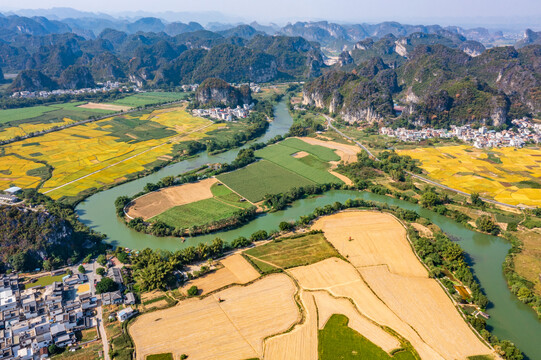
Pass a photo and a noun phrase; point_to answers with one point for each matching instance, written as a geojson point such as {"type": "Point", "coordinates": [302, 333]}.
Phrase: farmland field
{"type": "Point", "coordinates": [264, 177]}
{"type": "Point", "coordinates": [157, 202]}
{"type": "Point", "coordinates": [313, 167]}
{"type": "Point", "coordinates": [43, 113]}
{"type": "Point", "coordinates": [149, 98]}
{"type": "Point", "coordinates": [235, 270]}
{"type": "Point", "coordinates": [104, 152]}
{"type": "Point", "coordinates": [338, 341]}
{"type": "Point", "coordinates": [296, 251]}
{"type": "Point", "coordinates": [196, 213]}
{"type": "Point", "coordinates": [391, 270]}
{"type": "Point", "coordinates": [508, 175]}
{"type": "Point", "coordinates": [236, 326]}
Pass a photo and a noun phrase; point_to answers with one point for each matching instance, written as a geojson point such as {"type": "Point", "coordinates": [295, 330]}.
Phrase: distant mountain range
{"type": "Point", "coordinates": [440, 74]}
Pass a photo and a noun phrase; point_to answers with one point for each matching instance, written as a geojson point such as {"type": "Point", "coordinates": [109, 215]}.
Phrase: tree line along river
{"type": "Point", "coordinates": [509, 318]}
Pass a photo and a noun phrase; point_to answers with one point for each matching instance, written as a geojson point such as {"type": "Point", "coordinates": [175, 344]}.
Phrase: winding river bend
{"type": "Point", "coordinates": [510, 319]}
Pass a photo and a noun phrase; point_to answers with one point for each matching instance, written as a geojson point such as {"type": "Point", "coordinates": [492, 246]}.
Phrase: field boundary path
{"type": "Point", "coordinates": [419, 177]}
{"type": "Point", "coordinates": [174, 138]}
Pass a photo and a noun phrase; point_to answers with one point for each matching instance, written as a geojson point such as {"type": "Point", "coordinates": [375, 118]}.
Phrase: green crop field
{"type": "Point", "coordinates": [197, 213]}
{"type": "Point", "coordinates": [313, 168]}
{"type": "Point", "coordinates": [45, 280]}
{"type": "Point", "coordinates": [225, 194]}
{"type": "Point", "coordinates": [295, 251]}
{"type": "Point", "coordinates": [321, 152]}
{"type": "Point", "coordinates": [338, 341]}
{"type": "Point", "coordinates": [264, 177]}
{"type": "Point", "coordinates": [49, 113]}
{"type": "Point", "coordinates": [165, 356]}
{"type": "Point", "coordinates": [149, 98]}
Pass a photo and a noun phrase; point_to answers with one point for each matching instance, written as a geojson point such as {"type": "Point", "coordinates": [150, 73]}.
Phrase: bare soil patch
{"type": "Point", "coordinates": [155, 203]}
{"type": "Point", "coordinates": [348, 153]}
{"type": "Point", "coordinates": [111, 107]}
{"type": "Point", "coordinates": [300, 154]}
{"type": "Point", "coordinates": [230, 329]}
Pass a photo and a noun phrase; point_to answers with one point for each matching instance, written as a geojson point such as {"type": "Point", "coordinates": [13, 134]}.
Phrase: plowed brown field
{"type": "Point", "coordinates": [155, 203]}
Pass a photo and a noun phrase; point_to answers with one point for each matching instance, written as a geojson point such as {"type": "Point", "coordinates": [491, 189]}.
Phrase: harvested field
{"type": "Point", "coordinates": [347, 153]}
{"type": "Point", "coordinates": [328, 305]}
{"type": "Point", "coordinates": [427, 309]}
{"type": "Point", "coordinates": [232, 329]}
{"type": "Point", "coordinates": [301, 342]}
{"type": "Point", "coordinates": [381, 253]}
{"type": "Point", "coordinates": [157, 202]}
{"type": "Point", "coordinates": [341, 279]}
{"type": "Point", "coordinates": [371, 238]}
{"type": "Point", "coordinates": [111, 107]}
{"type": "Point", "coordinates": [236, 270]}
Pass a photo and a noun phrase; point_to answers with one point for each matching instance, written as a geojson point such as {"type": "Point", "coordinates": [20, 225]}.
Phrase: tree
{"type": "Point", "coordinates": [429, 199]}
{"type": "Point", "coordinates": [259, 235]}
{"type": "Point", "coordinates": [486, 224]}
{"type": "Point", "coordinates": [106, 285]}
{"type": "Point", "coordinates": [100, 271]}
{"type": "Point", "coordinates": [102, 260]}
{"type": "Point", "coordinates": [54, 350]}
{"type": "Point", "coordinates": [285, 226]}
{"type": "Point", "coordinates": [476, 199]}
{"type": "Point", "coordinates": [123, 257]}
{"type": "Point", "coordinates": [81, 269]}
{"type": "Point", "coordinates": [193, 291]}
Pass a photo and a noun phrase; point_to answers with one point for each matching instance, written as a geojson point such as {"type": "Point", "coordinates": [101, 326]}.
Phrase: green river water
{"type": "Point", "coordinates": [509, 318]}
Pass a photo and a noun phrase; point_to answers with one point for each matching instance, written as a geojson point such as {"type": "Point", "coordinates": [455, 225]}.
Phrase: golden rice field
{"type": "Point", "coordinates": [13, 170]}
{"type": "Point", "coordinates": [25, 129]}
{"type": "Point", "coordinates": [508, 175]}
{"type": "Point", "coordinates": [92, 155]}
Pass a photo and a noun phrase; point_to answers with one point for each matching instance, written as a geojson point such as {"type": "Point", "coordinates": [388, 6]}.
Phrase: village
{"type": "Point", "coordinates": [40, 313]}
{"type": "Point", "coordinates": [102, 88]}
{"type": "Point", "coordinates": [226, 114]}
{"type": "Point", "coordinates": [525, 132]}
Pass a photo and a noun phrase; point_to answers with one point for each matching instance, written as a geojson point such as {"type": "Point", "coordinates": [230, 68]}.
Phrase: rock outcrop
{"type": "Point", "coordinates": [215, 92]}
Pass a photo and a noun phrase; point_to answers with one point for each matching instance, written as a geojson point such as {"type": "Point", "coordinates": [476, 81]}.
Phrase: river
{"type": "Point", "coordinates": [509, 318]}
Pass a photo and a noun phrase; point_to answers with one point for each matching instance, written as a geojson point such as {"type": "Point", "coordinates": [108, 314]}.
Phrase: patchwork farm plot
{"type": "Point", "coordinates": [106, 151]}
{"type": "Point", "coordinates": [263, 177]}
{"type": "Point", "coordinates": [188, 205]}
{"type": "Point", "coordinates": [290, 163]}
{"type": "Point", "coordinates": [342, 314]}
{"type": "Point", "coordinates": [508, 175]}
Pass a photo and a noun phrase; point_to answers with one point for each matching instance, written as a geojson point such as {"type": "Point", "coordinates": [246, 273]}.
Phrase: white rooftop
{"type": "Point", "coordinates": [13, 190]}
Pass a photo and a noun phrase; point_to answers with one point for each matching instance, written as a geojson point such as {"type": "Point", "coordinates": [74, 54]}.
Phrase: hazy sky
{"type": "Point", "coordinates": [286, 10]}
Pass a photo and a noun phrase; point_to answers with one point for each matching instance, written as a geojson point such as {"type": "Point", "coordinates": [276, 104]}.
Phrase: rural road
{"type": "Point", "coordinates": [129, 158]}
{"type": "Point", "coordinates": [422, 178]}
{"type": "Point", "coordinates": [91, 273]}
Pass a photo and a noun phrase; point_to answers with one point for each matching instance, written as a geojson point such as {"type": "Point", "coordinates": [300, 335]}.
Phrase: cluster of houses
{"type": "Point", "coordinates": [9, 196]}
{"type": "Point", "coordinates": [33, 319]}
{"type": "Point", "coordinates": [255, 88]}
{"type": "Point", "coordinates": [37, 317]}
{"type": "Point", "coordinates": [103, 87]}
{"type": "Point", "coordinates": [226, 114]}
{"type": "Point", "coordinates": [525, 132]}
